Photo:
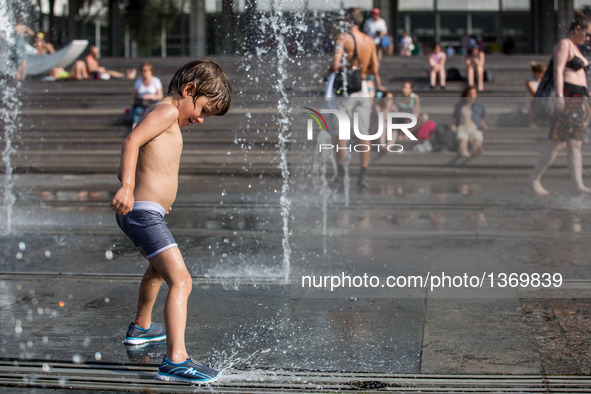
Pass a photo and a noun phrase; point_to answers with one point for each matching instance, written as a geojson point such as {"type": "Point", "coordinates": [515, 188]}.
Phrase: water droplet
{"type": "Point", "coordinates": [107, 300]}
{"type": "Point", "coordinates": [45, 367]}
{"type": "Point", "coordinates": [22, 246]}
{"type": "Point", "coordinates": [109, 254]}
{"type": "Point", "coordinates": [19, 256]}
{"type": "Point", "coordinates": [47, 254]}
{"type": "Point", "coordinates": [18, 327]}
{"type": "Point", "coordinates": [77, 359]}
{"type": "Point", "coordinates": [98, 356]}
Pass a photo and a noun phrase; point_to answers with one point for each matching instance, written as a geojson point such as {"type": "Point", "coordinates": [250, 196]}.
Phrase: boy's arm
{"type": "Point", "coordinates": [160, 119]}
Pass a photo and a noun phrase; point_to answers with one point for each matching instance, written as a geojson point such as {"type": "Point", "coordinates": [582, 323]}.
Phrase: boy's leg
{"type": "Point", "coordinates": [171, 267]}
{"type": "Point", "coordinates": [149, 288]}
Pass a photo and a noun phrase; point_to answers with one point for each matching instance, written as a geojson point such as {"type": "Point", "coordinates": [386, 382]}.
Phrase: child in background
{"type": "Point", "coordinates": [531, 85]}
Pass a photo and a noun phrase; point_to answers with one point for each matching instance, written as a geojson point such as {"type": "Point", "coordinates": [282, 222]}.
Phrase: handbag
{"type": "Point", "coordinates": [543, 103]}
{"type": "Point", "coordinates": [348, 81]}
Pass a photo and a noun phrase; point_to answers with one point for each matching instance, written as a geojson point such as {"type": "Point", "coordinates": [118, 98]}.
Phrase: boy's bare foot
{"type": "Point", "coordinates": [537, 187]}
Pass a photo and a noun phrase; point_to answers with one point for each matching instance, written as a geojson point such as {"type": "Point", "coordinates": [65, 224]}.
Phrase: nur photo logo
{"type": "Point", "coordinates": [387, 123]}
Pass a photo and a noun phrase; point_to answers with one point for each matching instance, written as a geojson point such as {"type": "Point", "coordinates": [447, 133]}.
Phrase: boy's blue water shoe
{"type": "Point", "coordinates": [139, 336]}
{"type": "Point", "coordinates": [188, 372]}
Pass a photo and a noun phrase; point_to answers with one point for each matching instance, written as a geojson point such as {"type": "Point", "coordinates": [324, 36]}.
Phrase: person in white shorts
{"type": "Point", "coordinates": [469, 123]}
{"type": "Point", "coordinates": [360, 102]}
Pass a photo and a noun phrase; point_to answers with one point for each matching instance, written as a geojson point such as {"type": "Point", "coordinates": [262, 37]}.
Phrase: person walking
{"type": "Point", "coordinates": [355, 49]}
{"type": "Point", "coordinates": [567, 126]}
{"type": "Point", "coordinates": [376, 28]}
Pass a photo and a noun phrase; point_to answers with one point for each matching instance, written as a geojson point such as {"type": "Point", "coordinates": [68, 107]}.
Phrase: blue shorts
{"type": "Point", "coordinates": [146, 227]}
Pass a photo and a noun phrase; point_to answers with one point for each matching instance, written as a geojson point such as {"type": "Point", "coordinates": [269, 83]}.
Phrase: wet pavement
{"type": "Point", "coordinates": [69, 277]}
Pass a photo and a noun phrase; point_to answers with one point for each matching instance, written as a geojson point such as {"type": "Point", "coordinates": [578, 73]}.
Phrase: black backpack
{"type": "Point", "coordinates": [444, 137]}
{"type": "Point", "coordinates": [453, 74]}
{"type": "Point", "coordinates": [544, 100]}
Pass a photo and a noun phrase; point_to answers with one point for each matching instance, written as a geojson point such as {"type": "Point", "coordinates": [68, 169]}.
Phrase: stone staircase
{"type": "Point", "coordinates": [76, 126]}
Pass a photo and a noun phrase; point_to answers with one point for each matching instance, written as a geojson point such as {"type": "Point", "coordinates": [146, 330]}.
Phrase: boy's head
{"type": "Point", "coordinates": [203, 78]}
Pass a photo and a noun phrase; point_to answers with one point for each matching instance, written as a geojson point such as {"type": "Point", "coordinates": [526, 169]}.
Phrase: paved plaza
{"type": "Point", "coordinates": [69, 277]}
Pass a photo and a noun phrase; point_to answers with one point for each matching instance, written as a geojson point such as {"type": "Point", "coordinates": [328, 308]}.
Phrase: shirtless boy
{"type": "Point", "coordinates": [150, 159]}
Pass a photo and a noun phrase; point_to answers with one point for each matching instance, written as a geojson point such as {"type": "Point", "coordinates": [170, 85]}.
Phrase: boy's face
{"type": "Point", "coordinates": [190, 113]}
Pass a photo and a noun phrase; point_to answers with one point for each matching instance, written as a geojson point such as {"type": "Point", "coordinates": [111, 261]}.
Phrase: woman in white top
{"type": "Point", "coordinates": [147, 90]}
{"type": "Point", "coordinates": [436, 66]}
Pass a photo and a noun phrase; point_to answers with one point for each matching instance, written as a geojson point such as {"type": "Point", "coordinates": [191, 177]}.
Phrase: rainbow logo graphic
{"type": "Point", "coordinates": [318, 118]}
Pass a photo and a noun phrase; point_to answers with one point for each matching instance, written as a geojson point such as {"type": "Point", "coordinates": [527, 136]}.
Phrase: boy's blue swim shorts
{"type": "Point", "coordinates": [146, 227]}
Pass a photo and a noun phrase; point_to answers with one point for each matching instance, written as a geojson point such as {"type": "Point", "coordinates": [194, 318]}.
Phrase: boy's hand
{"type": "Point", "coordinates": [123, 201]}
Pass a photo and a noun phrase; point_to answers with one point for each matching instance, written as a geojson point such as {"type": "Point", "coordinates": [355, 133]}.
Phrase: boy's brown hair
{"type": "Point", "coordinates": [207, 79]}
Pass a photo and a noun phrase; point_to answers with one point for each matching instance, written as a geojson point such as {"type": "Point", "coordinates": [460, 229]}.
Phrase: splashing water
{"type": "Point", "coordinates": [276, 25]}
{"type": "Point", "coordinates": [9, 114]}
{"type": "Point", "coordinates": [10, 104]}
{"type": "Point", "coordinates": [284, 139]}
